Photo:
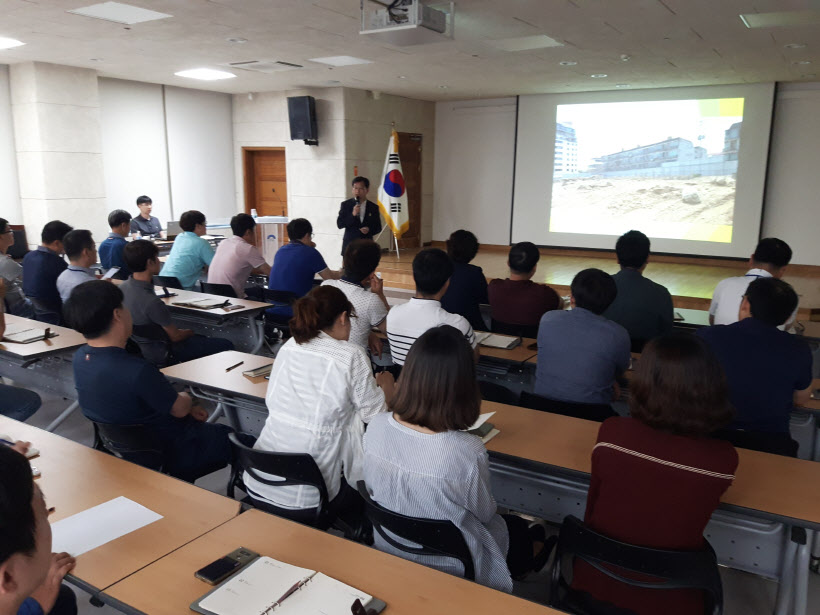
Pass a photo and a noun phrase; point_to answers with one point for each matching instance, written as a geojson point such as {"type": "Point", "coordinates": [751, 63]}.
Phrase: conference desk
{"type": "Point", "coordinates": [75, 477]}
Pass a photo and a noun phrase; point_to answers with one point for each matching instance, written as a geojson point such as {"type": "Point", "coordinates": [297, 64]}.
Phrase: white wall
{"type": "Point", "coordinates": [475, 147]}
{"type": "Point", "coordinates": [10, 208]}
{"type": "Point", "coordinates": [792, 205]}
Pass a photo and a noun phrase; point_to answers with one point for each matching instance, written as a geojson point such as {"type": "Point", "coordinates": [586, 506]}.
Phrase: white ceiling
{"type": "Point", "coordinates": [669, 42]}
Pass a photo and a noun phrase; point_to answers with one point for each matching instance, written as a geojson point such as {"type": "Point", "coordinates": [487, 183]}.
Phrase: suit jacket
{"type": "Point", "coordinates": [351, 224]}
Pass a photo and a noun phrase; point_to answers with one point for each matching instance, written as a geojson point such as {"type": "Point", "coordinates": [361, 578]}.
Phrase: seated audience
{"type": "Point", "coordinates": [11, 272]}
{"type": "Point", "coordinates": [82, 255]}
{"type": "Point", "coordinates": [418, 462]}
{"type": "Point", "coordinates": [145, 223]}
{"type": "Point", "coordinates": [41, 268]}
{"type": "Point", "coordinates": [365, 291]}
{"type": "Point", "coordinates": [517, 301]}
{"type": "Point", "coordinates": [769, 260]}
{"type": "Point", "coordinates": [119, 388]}
{"type": "Point", "coordinates": [406, 323]}
{"type": "Point", "coordinates": [15, 403]}
{"type": "Point", "coordinates": [140, 298]}
{"type": "Point", "coordinates": [111, 248]}
{"type": "Point", "coordinates": [643, 307]}
{"type": "Point", "coordinates": [468, 286]}
{"type": "Point", "coordinates": [769, 371]}
{"type": "Point", "coordinates": [238, 256]}
{"type": "Point", "coordinates": [321, 394]}
{"type": "Point", "coordinates": [296, 264]}
{"type": "Point", "coordinates": [190, 254]}
{"type": "Point", "coordinates": [31, 574]}
{"type": "Point", "coordinates": [581, 353]}
{"type": "Point", "coordinates": [657, 476]}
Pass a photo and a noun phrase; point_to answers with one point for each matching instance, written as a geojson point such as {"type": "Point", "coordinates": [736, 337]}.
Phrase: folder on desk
{"type": "Point", "coordinates": [493, 340]}
{"type": "Point", "coordinates": [270, 586]}
{"type": "Point", "coordinates": [19, 334]}
{"type": "Point", "coordinates": [259, 371]}
{"type": "Point", "coordinates": [203, 304]}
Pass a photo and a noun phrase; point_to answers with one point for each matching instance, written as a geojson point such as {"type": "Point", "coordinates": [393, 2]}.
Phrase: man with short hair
{"type": "Point", "coordinates": [41, 268]}
{"type": "Point", "coordinates": [769, 371]}
{"type": "Point", "coordinates": [770, 258]}
{"type": "Point", "coordinates": [406, 323]}
{"type": "Point", "coordinates": [140, 298]}
{"type": "Point", "coordinates": [238, 256]}
{"type": "Point", "coordinates": [11, 272]}
{"type": "Point", "coordinates": [359, 217]}
{"type": "Point", "coordinates": [82, 254]}
{"type": "Point", "coordinates": [517, 301]}
{"type": "Point", "coordinates": [643, 307]}
{"type": "Point", "coordinates": [190, 253]}
{"type": "Point", "coordinates": [581, 353]}
{"type": "Point", "coordinates": [111, 248]}
{"type": "Point", "coordinates": [119, 388]}
{"type": "Point", "coordinates": [145, 223]}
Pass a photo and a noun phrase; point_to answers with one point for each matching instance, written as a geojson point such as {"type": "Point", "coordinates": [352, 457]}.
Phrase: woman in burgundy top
{"type": "Point", "coordinates": [657, 476]}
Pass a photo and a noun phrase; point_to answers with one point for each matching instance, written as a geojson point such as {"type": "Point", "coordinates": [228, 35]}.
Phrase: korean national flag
{"type": "Point", "coordinates": [392, 197]}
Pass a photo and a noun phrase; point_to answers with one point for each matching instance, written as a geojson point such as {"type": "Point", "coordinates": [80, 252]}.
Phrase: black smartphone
{"type": "Point", "coordinates": [221, 569]}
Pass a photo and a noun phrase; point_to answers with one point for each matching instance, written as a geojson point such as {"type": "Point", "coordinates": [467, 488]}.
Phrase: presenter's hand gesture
{"type": "Point", "coordinates": [356, 209]}
{"type": "Point", "coordinates": [365, 230]}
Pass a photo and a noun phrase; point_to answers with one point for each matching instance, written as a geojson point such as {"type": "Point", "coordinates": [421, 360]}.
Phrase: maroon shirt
{"type": "Point", "coordinates": [521, 302]}
{"type": "Point", "coordinates": [644, 502]}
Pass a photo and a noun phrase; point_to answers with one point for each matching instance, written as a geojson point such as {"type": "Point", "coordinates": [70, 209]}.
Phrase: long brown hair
{"type": "Point", "coordinates": [316, 311]}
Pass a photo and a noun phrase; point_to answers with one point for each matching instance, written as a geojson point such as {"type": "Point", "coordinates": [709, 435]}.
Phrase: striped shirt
{"type": "Point", "coordinates": [438, 476]}
{"type": "Point", "coordinates": [409, 321]}
{"type": "Point", "coordinates": [370, 310]}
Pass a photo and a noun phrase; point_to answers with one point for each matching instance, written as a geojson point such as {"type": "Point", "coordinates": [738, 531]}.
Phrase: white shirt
{"type": "Point", "coordinates": [409, 321]}
{"type": "Point", "coordinates": [728, 296]}
{"type": "Point", "coordinates": [319, 397]}
{"type": "Point", "coordinates": [370, 310]}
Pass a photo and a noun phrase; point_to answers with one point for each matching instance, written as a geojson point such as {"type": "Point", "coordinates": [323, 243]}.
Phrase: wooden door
{"type": "Point", "coordinates": [266, 187]}
{"type": "Point", "coordinates": [410, 155]}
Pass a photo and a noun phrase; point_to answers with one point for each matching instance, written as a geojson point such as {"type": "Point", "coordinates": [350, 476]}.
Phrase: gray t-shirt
{"type": "Point", "coordinates": [11, 271]}
{"type": "Point", "coordinates": [142, 301]}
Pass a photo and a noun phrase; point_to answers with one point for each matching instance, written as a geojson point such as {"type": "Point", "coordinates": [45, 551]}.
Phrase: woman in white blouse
{"type": "Point", "coordinates": [321, 393]}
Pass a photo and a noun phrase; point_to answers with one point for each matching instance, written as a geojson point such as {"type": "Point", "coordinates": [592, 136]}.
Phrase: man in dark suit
{"type": "Point", "coordinates": [359, 217]}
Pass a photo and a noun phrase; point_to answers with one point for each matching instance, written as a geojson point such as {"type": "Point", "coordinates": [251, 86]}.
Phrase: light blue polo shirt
{"type": "Point", "coordinates": [189, 254]}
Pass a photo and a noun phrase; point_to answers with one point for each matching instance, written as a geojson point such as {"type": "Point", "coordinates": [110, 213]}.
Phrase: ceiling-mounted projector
{"type": "Point", "coordinates": [407, 22]}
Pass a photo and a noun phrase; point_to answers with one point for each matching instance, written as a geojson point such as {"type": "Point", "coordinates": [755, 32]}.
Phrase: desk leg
{"type": "Point", "coordinates": [65, 414]}
{"type": "Point", "coordinates": [801, 576]}
{"type": "Point", "coordinates": [219, 411]}
{"type": "Point", "coordinates": [784, 590]}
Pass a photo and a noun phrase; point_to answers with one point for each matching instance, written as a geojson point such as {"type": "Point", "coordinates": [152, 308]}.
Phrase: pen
{"type": "Point", "coordinates": [4, 441]}
{"type": "Point", "coordinates": [234, 366]}
{"type": "Point", "coordinates": [295, 587]}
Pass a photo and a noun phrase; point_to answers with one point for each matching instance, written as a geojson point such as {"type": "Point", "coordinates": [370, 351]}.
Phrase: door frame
{"type": "Point", "coordinates": [247, 171]}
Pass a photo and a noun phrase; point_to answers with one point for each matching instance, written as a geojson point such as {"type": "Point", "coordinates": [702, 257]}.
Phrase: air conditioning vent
{"type": "Point", "coordinates": [265, 66]}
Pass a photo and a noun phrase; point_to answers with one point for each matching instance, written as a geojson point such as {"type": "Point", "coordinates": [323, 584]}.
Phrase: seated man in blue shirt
{"type": "Point", "coordinates": [190, 255]}
{"type": "Point", "coordinates": [581, 353]}
{"type": "Point", "coordinates": [81, 251]}
{"type": "Point", "coordinates": [119, 388]}
{"type": "Point", "coordinates": [110, 249]}
{"type": "Point", "coordinates": [296, 264]}
{"type": "Point", "coordinates": [41, 268]}
{"type": "Point", "coordinates": [769, 371]}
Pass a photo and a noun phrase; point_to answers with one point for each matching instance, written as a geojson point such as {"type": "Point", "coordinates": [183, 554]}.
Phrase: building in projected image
{"type": "Point", "coordinates": [731, 141]}
{"type": "Point", "coordinates": [566, 150]}
{"type": "Point", "coordinates": [673, 150]}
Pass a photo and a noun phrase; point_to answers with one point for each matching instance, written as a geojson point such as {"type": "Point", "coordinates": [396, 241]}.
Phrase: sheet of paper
{"type": "Point", "coordinates": [482, 418]}
{"type": "Point", "coordinates": [322, 595]}
{"type": "Point", "coordinates": [96, 526]}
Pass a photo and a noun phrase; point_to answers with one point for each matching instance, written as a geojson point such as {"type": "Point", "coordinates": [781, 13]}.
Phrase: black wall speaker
{"type": "Point", "coordinates": [302, 116]}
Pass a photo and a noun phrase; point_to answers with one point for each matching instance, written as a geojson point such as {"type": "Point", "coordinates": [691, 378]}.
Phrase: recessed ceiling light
{"type": "Point", "coordinates": [119, 13]}
{"type": "Point", "coordinates": [622, 85]}
{"type": "Point", "coordinates": [795, 46]}
{"type": "Point", "coordinates": [802, 62]}
{"type": "Point", "coordinates": [341, 61]}
{"type": "Point", "coordinates": [567, 63]}
{"type": "Point", "coordinates": [9, 43]}
{"type": "Point", "coordinates": [205, 74]}
{"type": "Point", "coordinates": [402, 77]}
{"type": "Point", "coordinates": [599, 76]}
{"type": "Point", "coordinates": [443, 87]}
{"type": "Point", "coordinates": [237, 41]}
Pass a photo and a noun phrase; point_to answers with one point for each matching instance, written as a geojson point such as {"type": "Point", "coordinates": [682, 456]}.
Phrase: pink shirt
{"type": "Point", "coordinates": [233, 262]}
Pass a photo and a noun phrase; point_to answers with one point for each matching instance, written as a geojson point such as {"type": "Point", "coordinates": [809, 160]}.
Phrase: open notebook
{"type": "Point", "coordinates": [203, 304]}
{"type": "Point", "coordinates": [493, 340]}
{"type": "Point", "coordinates": [22, 334]}
{"type": "Point", "coordinates": [265, 586]}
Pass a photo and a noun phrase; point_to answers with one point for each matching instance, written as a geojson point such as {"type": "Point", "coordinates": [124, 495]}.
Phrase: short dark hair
{"type": "Point", "coordinates": [3, 225]}
{"type": "Point", "coordinates": [431, 270]}
{"type": "Point", "coordinates": [242, 223]}
{"type": "Point", "coordinates": [137, 253]}
{"type": "Point", "coordinates": [18, 523]}
{"type": "Point", "coordinates": [298, 228]}
{"type": "Point", "coordinates": [316, 311]}
{"type": "Point", "coordinates": [76, 241]}
{"type": "Point", "coordinates": [593, 290]}
{"type": "Point", "coordinates": [361, 180]}
{"type": "Point", "coordinates": [438, 387]}
{"type": "Point", "coordinates": [680, 386]}
{"type": "Point", "coordinates": [462, 246]}
{"type": "Point", "coordinates": [632, 249]}
{"type": "Point", "coordinates": [189, 219]}
{"type": "Point", "coordinates": [361, 258]}
{"type": "Point", "coordinates": [90, 308]}
{"type": "Point", "coordinates": [771, 300]}
{"type": "Point", "coordinates": [117, 217]}
{"type": "Point", "coordinates": [523, 257]}
{"type": "Point", "coordinates": [772, 251]}
{"type": "Point", "coordinates": [55, 231]}
{"type": "Point", "coordinates": [144, 199]}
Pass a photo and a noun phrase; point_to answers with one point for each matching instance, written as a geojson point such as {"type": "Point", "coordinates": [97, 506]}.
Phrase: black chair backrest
{"type": "Point", "coordinates": [45, 312]}
{"type": "Point", "coordinates": [223, 290]}
{"type": "Point", "coordinates": [505, 328]}
{"type": "Point", "coordinates": [667, 569]}
{"type": "Point", "coordinates": [590, 412]}
{"type": "Point", "coordinates": [168, 282]}
{"type": "Point", "coordinates": [20, 247]}
{"type": "Point", "coordinates": [154, 343]}
{"type": "Point", "coordinates": [492, 391]}
{"type": "Point", "coordinates": [280, 297]}
{"type": "Point", "coordinates": [135, 443]}
{"type": "Point", "coordinates": [435, 537]}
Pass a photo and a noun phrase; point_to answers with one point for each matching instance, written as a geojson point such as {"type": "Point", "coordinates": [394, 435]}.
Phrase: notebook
{"type": "Point", "coordinates": [21, 334]}
{"type": "Point", "coordinates": [268, 586]}
{"type": "Point", "coordinates": [259, 371]}
{"type": "Point", "coordinates": [483, 429]}
{"type": "Point", "coordinates": [203, 304]}
{"type": "Point", "coordinates": [493, 340]}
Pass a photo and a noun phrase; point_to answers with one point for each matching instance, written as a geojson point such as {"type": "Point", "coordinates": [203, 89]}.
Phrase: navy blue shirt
{"type": "Point", "coordinates": [468, 289]}
{"type": "Point", "coordinates": [764, 367]}
{"type": "Point", "coordinates": [294, 267]}
{"type": "Point", "coordinates": [41, 268]}
{"type": "Point", "coordinates": [110, 252]}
